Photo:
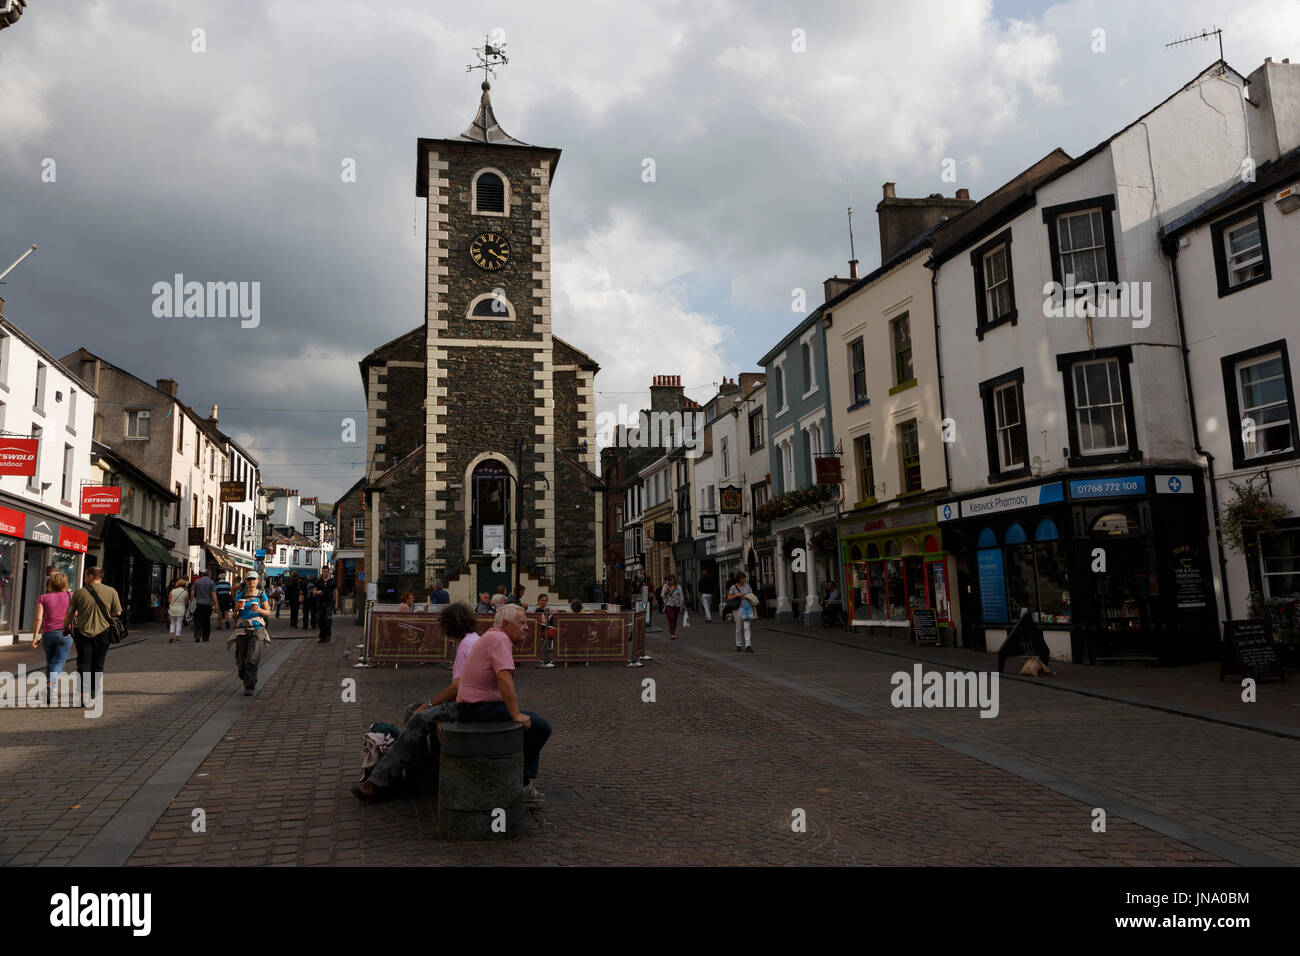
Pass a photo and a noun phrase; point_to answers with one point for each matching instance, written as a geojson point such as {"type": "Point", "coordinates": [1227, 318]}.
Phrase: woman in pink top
{"type": "Point", "coordinates": [51, 612]}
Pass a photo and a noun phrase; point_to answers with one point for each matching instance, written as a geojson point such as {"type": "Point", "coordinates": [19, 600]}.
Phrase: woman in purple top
{"type": "Point", "coordinates": [51, 613]}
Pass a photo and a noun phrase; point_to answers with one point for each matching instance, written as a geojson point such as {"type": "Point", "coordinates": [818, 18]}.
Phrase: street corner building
{"type": "Point", "coordinates": [480, 441]}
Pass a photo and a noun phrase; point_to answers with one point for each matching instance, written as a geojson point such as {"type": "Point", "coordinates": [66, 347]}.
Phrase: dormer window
{"type": "Point", "coordinates": [490, 194]}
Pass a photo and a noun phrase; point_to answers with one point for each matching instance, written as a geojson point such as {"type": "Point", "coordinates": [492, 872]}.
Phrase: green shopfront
{"type": "Point", "coordinates": [896, 562]}
{"type": "Point", "coordinates": [1115, 567]}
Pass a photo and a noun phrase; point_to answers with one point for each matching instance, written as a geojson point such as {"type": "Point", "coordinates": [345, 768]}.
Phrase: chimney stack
{"type": "Point", "coordinates": [963, 194]}
{"type": "Point", "coordinates": [213, 417]}
{"type": "Point", "coordinates": [167, 386]}
{"type": "Point", "coordinates": [903, 219]}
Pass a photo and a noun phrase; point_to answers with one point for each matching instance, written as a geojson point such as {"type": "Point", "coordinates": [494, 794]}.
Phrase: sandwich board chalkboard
{"type": "Point", "coordinates": [1248, 650]}
{"type": "Point", "coordinates": [925, 626]}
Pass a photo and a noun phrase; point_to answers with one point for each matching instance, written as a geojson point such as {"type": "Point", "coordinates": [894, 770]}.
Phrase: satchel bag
{"type": "Point", "coordinates": [733, 603]}
{"type": "Point", "coordinates": [115, 623]}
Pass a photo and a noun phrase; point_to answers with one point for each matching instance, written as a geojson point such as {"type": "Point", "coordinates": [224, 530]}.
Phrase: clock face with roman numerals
{"type": "Point", "coordinates": [490, 251]}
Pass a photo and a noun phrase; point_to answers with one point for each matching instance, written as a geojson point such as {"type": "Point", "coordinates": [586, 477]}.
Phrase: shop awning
{"type": "Point", "coordinates": [221, 561]}
{"type": "Point", "coordinates": [151, 547]}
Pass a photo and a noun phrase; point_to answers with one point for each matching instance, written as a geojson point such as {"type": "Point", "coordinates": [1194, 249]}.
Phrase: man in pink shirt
{"type": "Point", "coordinates": [487, 689]}
{"type": "Point", "coordinates": [457, 623]}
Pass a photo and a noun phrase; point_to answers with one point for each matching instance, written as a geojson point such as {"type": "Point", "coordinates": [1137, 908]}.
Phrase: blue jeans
{"type": "Point", "coordinates": [535, 736]}
{"type": "Point", "coordinates": [57, 648]}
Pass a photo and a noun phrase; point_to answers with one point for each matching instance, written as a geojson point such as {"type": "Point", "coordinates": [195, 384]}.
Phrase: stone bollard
{"type": "Point", "coordinates": [480, 780]}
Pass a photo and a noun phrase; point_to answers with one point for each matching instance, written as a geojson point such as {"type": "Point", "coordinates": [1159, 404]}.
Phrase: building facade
{"type": "Point", "coordinates": [40, 514]}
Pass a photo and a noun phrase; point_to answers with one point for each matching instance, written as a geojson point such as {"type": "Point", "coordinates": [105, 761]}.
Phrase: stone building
{"type": "Point", "coordinates": [480, 441]}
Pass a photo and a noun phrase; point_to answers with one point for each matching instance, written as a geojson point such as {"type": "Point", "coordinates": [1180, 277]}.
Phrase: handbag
{"type": "Point", "coordinates": [733, 604]}
{"type": "Point", "coordinates": [115, 623]}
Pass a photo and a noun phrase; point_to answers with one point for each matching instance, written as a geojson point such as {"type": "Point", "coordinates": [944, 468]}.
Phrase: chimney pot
{"type": "Point", "coordinates": [853, 268]}
{"type": "Point", "coordinates": [963, 194]}
{"type": "Point", "coordinates": [213, 416]}
{"type": "Point", "coordinates": [889, 190]}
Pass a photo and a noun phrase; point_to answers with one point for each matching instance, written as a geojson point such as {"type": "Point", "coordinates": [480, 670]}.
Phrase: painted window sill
{"type": "Point", "coordinates": [856, 405]}
{"type": "Point", "coordinates": [909, 494]}
{"type": "Point", "coordinates": [902, 386]}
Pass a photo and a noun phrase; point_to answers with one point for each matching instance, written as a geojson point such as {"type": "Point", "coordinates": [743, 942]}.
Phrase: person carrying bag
{"type": "Point", "coordinates": [253, 608]}
{"type": "Point", "coordinates": [94, 617]}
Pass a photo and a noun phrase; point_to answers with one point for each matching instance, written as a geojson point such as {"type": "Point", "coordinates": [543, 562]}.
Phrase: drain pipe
{"type": "Point", "coordinates": [1171, 249]}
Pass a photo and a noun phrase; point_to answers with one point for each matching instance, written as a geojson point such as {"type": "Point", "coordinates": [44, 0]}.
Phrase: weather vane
{"type": "Point", "coordinates": [489, 58]}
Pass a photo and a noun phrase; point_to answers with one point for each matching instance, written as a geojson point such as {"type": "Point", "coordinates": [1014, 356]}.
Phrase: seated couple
{"type": "Point", "coordinates": [482, 689]}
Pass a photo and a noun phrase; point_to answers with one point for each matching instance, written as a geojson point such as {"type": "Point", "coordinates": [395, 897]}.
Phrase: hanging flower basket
{"type": "Point", "coordinates": [1251, 513]}
{"type": "Point", "coordinates": [791, 501]}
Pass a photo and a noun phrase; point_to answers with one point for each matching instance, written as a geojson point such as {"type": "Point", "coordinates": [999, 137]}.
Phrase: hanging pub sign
{"type": "Point", "coordinates": [18, 456]}
{"type": "Point", "coordinates": [233, 491]}
{"type": "Point", "coordinates": [101, 500]}
{"type": "Point", "coordinates": [663, 531]}
{"type": "Point", "coordinates": [195, 537]}
{"type": "Point", "coordinates": [229, 538]}
{"type": "Point", "coordinates": [731, 500]}
{"type": "Point", "coordinates": [828, 470]}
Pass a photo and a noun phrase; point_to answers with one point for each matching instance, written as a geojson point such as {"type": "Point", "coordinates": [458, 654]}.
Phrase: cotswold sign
{"type": "Point", "coordinates": [101, 500]}
{"type": "Point", "coordinates": [18, 456]}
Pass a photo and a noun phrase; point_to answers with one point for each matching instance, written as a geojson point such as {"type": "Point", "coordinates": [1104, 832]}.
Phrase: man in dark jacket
{"type": "Point", "coordinates": [309, 603]}
{"type": "Point", "coordinates": [706, 594]}
{"type": "Point", "coordinates": [292, 594]}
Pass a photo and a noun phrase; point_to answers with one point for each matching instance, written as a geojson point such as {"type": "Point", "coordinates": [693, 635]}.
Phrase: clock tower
{"type": "Point", "coordinates": [509, 430]}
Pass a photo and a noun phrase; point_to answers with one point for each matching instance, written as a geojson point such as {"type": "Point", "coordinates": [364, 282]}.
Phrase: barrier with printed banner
{"type": "Point", "coordinates": [402, 637]}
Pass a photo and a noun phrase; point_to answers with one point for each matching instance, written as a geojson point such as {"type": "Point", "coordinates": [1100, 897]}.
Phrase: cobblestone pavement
{"type": "Point", "coordinates": [712, 772]}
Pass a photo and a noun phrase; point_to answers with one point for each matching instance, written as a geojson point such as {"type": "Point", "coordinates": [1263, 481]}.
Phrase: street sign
{"type": "Point", "coordinates": [101, 500]}
{"type": "Point", "coordinates": [18, 456]}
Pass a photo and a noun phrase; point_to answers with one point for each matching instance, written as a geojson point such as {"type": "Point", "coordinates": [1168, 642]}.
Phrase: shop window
{"type": "Point", "coordinates": [1115, 523]}
{"type": "Point", "coordinates": [876, 591]}
{"type": "Point", "coordinates": [1015, 535]}
{"type": "Point", "coordinates": [914, 572]}
{"type": "Point", "coordinates": [1280, 554]}
{"type": "Point", "coordinates": [991, 576]}
{"type": "Point", "coordinates": [1020, 576]}
{"type": "Point", "coordinates": [1046, 531]}
{"type": "Point", "coordinates": [1053, 582]}
{"type": "Point", "coordinates": [931, 544]}
{"type": "Point", "coordinates": [895, 582]}
{"type": "Point", "coordinates": [855, 553]}
{"type": "Point", "coordinates": [987, 539]}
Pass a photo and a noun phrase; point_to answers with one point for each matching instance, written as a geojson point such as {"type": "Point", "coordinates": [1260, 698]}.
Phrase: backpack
{"type": "Point", "coordinates": [375, 744]}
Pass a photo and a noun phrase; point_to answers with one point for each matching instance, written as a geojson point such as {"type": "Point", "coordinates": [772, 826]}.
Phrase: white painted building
{"type": "Point", "coordinates": [40, 516]}
{"type": "Point", "coordinates": [1075, 484]}
{"type": "Point", "coordinates": [1236, 262]}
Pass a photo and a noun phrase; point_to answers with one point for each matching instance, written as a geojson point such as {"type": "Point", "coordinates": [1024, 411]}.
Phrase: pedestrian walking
{"type": "Point", "coordinates": [741, 602]}
{"type": "Point", "coordinates": [293, 594]}
{"type": "Point", "coordinates": [203, 591]}
{"type": "Point", "coordinates": [671, 595]}
{"type": "Point", "coordinates": [177, 600]}
{"type": "Point", "coordinates": [277, 598]}
{"type": "Point", "coordinates": [550, 629]}
{"type": "Point", "coordinates": [90, 616]}
{"type": "Point", "coordinates": [253, 609]}
{"type": "Point", "coordinates": [224, 603]}
{"type": "Point", "coordinates": [326, 596]}
{"type": "Point", "coordinates": [48, 630]}
{"type": "Point", "coordinates": [706, 595]}
{"type": "Point", "coordinates": [308, 603]}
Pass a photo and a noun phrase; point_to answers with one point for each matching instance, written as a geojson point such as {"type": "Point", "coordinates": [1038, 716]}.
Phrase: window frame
{"type": "Point", "coordinates": [1065, 365]}
{"type": "Point", "coordinates": [809, 341]}
{"type": "Point", "coordinates": [509, 315]}
{"type": "Point", "coordinates": [143, 413]}
{"type": "Point", "coordinates": [42, 379]}
{"type": "Point", "coordinates": [34, 480]}
{"type": "Point", "coordinates": [866, 476]}
{"type": "Point", "coordinates": [756, 419]}
{"type": "Point", "coordinates": [69, 466]}
{"type": "Point", "coordinates": [1231, 385]}
{"type": "Point", "coordinates": [988, 398]}
{"type": "Point", "coordinates": [72, 411]}
{"type": "Point", "coordinates": [977, 258]}
{"type": "Point", "coordinates": [6, 350]}
{"type": "Point", "coordinates": [1051, 214]}
{"type": "Point", "coordinates": [505, 193]}
{"type": "Point", "coordinates": [899, 382]}
{"type": "Point", "coordinates": [900, 429]}
{"type": "Point", "coordinates": [1219, 230]}
{"type": "Point", "coordinates": [855, 348]}
{"type": "Point", "coordinates": [358, 521]}
{"type": "Point", "coordinates": [782, 387]}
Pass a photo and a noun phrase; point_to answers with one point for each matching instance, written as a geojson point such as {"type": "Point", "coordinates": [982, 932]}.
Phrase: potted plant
{"type": "Point", "coordinates": [1251, 513]}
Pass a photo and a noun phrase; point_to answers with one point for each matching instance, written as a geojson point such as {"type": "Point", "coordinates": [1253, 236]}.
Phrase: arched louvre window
{"type": "Point", "coordinates": [489, 193]}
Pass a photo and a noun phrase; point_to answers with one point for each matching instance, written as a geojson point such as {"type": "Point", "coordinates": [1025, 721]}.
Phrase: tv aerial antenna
{"type": "Point", "coordinates": [1216, 32]}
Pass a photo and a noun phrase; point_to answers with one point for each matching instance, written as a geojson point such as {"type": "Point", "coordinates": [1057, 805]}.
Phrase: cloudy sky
{"type": "Point", "coordinates": [226, 165]}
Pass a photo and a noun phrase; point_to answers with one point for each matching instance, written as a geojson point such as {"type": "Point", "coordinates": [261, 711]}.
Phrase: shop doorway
{"type": "Point", "coordinates": [1122, 594]}
{"type": "Point", "coordinates": [33, 585]}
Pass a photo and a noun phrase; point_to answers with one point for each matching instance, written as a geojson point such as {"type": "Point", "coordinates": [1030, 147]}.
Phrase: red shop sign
{"type": "Point", "coordinates": [13, 523]}
{"type": "Point", "coordinates": [101, 500]}
{"type": "Point", "coordinates": [70, 539]}
{"type": "Point", "coordinates": [18, 456]}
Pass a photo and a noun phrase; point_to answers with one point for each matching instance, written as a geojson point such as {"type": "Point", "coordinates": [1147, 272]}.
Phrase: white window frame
{"type": "Point", "coordinates": [783, 385]}
{"type": "Point", "coordinates": [861, 343]}
{"type": "Point", "coordinates": [1098, 250]}
{"type": "Point", "coordinates": [34, 481]}
{"type": "Point", "coordinates": [991, 287]}
{"type": "Point", "coordinates": [784, 442]}
{"type": "Point", "coordinates": [6, 349]}
{"type": "Point", "coordinates": [508, 316]}
{"type": "Point", "coordinates": [1230, 263]}
{"type": "Point", "coordinates": [726, 458]}
{"type": "Point", "coordinates": [809, 339]}
{"type": "Point", "coordinates": [72, 410]}
{"type": "Point", "coordinates": [1079, 407]}
{"type": "Point", "coordinates": [69, 465]}
{"type": "Point", "coordinates": [473, 193]}
{"type": "Point", "coordinates": [1003, 428]}
{"type": "Point", "coordinates": [42, 376]}
{"type": "Point", "coordinates": [142, 414]}
{"type": "Point", "coordinates": [1250, 449]}
{"type": "Point", "coordinates": [359, 521]}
